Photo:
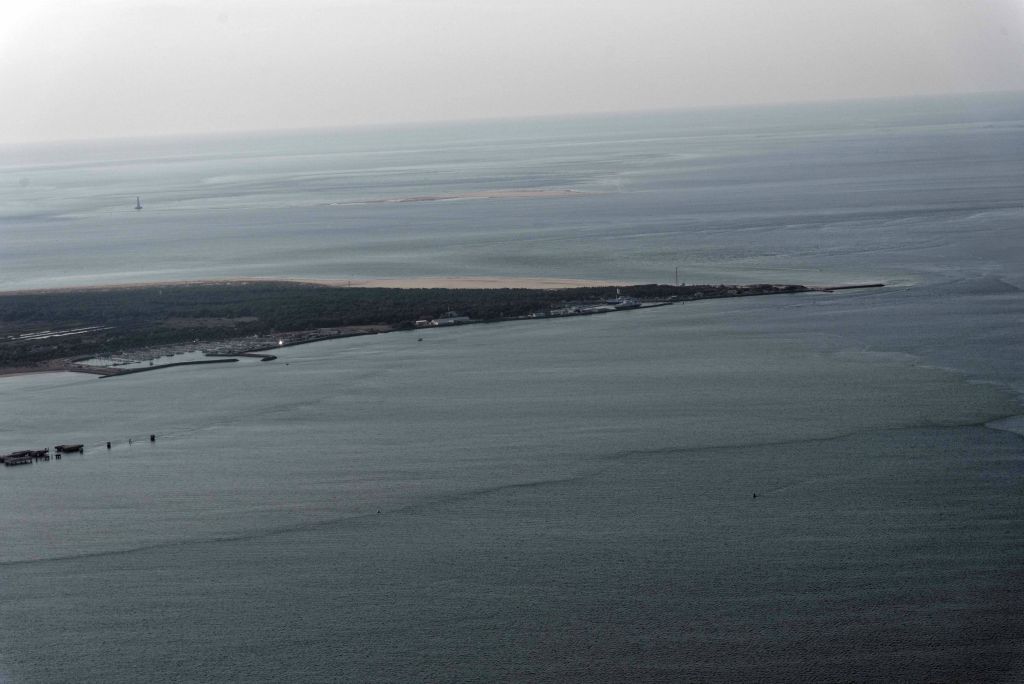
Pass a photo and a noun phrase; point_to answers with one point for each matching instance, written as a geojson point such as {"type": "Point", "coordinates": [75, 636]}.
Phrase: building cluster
{"type": "Point", "coordinates": [449, 318]}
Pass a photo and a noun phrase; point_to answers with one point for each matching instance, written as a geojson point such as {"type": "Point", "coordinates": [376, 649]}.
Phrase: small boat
{"type": "Point", "coordinates": [138, 204]}
{"type": "Point", "coordinates": [623, 302]}
{"type": "Point", "coordinates": [627, 303]}
{"type": "Point", "coordinates": [69, 448]}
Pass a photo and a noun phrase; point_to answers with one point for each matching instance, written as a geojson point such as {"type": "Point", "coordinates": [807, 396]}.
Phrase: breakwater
{"type": "Point", "coordinates": [106, 372]}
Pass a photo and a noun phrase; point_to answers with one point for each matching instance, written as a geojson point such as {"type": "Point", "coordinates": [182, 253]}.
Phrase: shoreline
{"type": "Point", "coordinates": [49, 367]}
{"type": "Point", "coordinates": [258, 347]}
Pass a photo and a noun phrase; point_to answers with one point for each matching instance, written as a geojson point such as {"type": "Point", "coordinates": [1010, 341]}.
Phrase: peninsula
{"type": "Point", "coordinates": [132, 325]}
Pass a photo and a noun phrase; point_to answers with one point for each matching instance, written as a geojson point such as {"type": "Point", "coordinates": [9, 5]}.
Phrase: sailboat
{"type": "Point", "coordinates": [138, 204]}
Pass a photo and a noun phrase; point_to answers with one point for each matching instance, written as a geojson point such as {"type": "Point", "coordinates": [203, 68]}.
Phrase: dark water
{"type": "Point", "coordinates": [558, 500]}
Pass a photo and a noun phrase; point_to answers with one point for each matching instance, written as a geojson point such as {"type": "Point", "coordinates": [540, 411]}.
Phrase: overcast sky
{"type": "Point", "coordinates": [97, 68]}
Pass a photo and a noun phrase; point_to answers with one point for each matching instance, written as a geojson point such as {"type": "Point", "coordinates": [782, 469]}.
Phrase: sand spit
{"type": "Point", "coordinates": [447, 282]}
{"type": "Point", "coordinates": [524, 193]}
{"type": "Point", "coordinates": [469, 283]}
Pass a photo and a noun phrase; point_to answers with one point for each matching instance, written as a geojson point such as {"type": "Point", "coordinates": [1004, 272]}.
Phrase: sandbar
{"type": "Point", "coordinates": [467, 283]}
{"type": "Point", "coordinates": [521, 193]}
{"type": "Point", "coordinates": [416, 282]}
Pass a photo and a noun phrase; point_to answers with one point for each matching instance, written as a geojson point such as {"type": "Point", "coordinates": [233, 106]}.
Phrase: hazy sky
{"type": "Point", "coordinates": [89, 68]}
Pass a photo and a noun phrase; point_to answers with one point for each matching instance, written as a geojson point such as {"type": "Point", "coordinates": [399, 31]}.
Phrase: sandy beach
{"type": "Point", "coordinates": [468, 283]}
{"type": "Point", "coordinates": [47, 367]}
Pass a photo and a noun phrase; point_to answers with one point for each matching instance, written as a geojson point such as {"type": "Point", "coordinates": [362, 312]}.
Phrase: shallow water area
{"type": "Point", "coordinates": [811, 487]}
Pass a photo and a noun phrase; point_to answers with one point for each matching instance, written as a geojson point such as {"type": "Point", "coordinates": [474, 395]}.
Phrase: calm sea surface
{"type": "Point", "coordinates": [564, 500]}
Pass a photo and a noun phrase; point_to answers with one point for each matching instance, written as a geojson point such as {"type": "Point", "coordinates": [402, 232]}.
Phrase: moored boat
{"type": "Point", "coordinates": [17, 458]}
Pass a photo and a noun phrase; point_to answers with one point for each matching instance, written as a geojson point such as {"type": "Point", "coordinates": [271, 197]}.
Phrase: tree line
{"type": "Point", "coordinates": [167, 314]}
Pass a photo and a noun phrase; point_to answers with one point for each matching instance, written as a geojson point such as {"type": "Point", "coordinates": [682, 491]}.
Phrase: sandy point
{"type": "Point", "coordinates": [470, 283]}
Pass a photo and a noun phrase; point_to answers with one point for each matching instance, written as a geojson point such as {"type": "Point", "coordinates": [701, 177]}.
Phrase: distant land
{"type": "Point", "coordinates": [50, 330]}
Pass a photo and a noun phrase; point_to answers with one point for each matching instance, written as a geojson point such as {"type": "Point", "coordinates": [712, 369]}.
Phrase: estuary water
{"type": "Point", "coordinates": [561, 500]}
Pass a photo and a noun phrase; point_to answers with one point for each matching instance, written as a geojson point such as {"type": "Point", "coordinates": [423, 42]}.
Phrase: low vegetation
{"type": "Point", "coordinates": [137, 317]}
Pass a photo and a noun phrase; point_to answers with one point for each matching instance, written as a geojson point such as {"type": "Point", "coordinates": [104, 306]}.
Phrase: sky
{"type": "Point", "coordinates": [80, 69]}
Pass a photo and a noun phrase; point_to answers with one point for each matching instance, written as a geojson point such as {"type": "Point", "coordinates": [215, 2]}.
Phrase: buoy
{"type": "Point", "coordinates": [108, 445]}
{"type": "Point", "coordinates": [152, 438]}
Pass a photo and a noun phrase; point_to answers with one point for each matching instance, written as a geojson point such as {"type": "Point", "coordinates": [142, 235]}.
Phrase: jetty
{"type": "Point", "coordinates": [108, 371]}
{"type": "Point", "coordinates": [833, 288]}
{"type": "Point", "coordinates": [144, 369]}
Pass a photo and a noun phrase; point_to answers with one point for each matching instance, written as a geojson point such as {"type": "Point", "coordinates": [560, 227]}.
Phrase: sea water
{"type": "Point", "coordinates": [543, 500]}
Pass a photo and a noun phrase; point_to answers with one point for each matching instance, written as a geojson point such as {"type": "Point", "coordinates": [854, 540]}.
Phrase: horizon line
{"type": "Point", "coordinates": [421, 123]}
